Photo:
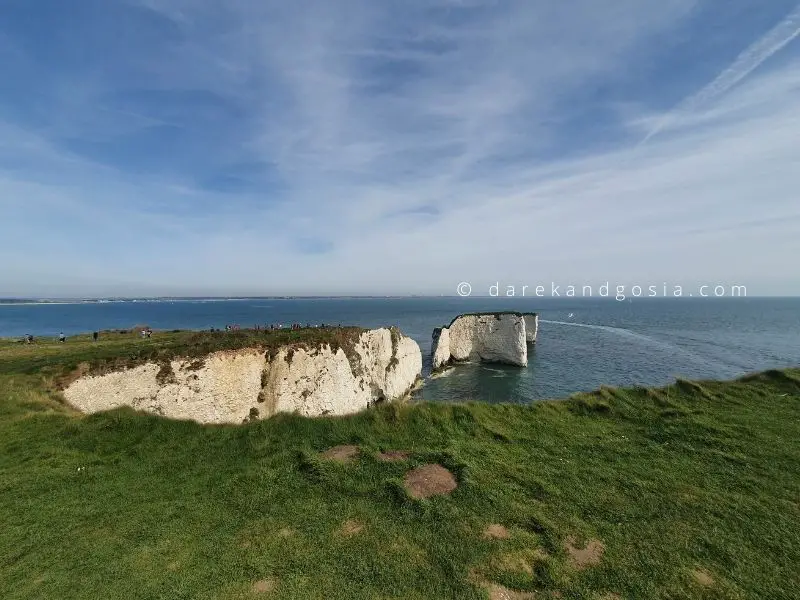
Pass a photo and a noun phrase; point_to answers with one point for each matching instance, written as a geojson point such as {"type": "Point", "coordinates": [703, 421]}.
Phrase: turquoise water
{"type": "Point", "coordinates": [604, 342]}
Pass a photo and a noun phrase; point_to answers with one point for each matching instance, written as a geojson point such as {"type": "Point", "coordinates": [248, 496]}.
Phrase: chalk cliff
{"type": "Point", "coordinates": [531, 326]}
{"type": "Point", "coordinates": [236, 385]}
{"type": "Point", "coordinates": [490, 337]}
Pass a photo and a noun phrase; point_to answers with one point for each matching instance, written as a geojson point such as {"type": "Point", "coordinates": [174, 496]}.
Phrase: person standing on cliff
{"type": "Point", "coordinates": [62, 338]}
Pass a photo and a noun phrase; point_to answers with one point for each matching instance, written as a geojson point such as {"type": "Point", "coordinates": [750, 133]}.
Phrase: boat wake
{"type": "Point", "coordinates": [667, 346]}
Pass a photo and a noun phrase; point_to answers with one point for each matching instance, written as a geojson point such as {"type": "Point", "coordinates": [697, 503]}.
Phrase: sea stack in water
{"type": "Point", "coordinates": [232, 386]}
{"type": "Point", "coordinates": [491, 337]}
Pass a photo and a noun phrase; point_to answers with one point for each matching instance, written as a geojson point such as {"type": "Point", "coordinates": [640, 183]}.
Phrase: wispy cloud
{"type": "Point", "coordinates": [191, 146]}
{"type": "Point", "coordinates": [747, 62]}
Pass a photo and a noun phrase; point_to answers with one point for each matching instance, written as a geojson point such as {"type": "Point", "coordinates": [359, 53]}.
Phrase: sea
{"type": "Point", "coordinates": [583, 343]}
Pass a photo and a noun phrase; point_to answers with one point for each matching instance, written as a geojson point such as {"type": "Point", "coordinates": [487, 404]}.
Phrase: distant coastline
{"type": "Point", "coordinates": [156, 299]}
{"type": "Point", "coordinates": [29, 301]}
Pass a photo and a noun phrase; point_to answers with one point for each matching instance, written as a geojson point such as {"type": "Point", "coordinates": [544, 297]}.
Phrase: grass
{"type": "Point", "coordinates": [693, 491]}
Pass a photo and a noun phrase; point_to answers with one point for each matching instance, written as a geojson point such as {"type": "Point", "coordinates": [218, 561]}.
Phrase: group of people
{"type": "Point", "coordinates": [146, 333]}
{"type": "Point", "coordinates": [62, 338]}
{"type": "Point", "coordinates": [272, 327]}
{"type": "Point", "coordinates": [28, 339]}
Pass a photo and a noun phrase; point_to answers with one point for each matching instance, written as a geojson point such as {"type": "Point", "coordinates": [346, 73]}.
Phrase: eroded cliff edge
{"type": "Point", "coordinates": [231, 386]}
{"type": "Point", "coordinates": [491, 337]}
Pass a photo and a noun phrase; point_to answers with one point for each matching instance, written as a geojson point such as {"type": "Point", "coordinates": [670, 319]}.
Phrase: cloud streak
{"type": "Point", "coordinates": [747, 62]}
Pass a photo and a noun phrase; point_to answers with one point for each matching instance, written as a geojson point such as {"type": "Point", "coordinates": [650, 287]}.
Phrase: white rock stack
{"type": "Point", "coordinates": [490, 337]}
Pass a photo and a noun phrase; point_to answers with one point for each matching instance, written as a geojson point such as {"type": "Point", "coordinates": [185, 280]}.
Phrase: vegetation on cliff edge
{"type": "Point", "coordinates": [116, 350]}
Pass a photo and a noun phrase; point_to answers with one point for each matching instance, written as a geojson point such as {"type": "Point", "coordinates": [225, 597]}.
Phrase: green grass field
{"type": "Point", "coordinates": [689, 491]}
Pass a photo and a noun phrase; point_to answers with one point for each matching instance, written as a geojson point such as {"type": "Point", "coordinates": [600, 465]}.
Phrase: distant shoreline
{"type": "Point", "coordinates": [28, 301]}
{"type": "Point", "coordinates": [77, 301]}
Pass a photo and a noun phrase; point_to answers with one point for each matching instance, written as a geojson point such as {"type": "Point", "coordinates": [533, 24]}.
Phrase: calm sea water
{"type": "Point", "coordinates": [647, 342]}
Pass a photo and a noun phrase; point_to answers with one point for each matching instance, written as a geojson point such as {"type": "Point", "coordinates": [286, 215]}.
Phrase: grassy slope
{"type": "Point", "coordinates": [694, 476]}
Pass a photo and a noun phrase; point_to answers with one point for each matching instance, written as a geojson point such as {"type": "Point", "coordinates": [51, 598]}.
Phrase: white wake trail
{"type": "Point", "coordinates": [673, 348]}
{"type": "Point", "coordinates": [749, 60]}
{"type": "Point", "coordinates": [617, 330]}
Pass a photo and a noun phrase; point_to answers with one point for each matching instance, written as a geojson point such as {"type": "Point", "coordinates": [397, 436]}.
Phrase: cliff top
{"type": "Point", "coordinates": [115, 350]}
{"type": "Point", "coordinates": [497, 314]}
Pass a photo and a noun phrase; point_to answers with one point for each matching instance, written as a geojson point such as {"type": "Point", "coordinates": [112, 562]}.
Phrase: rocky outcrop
{"type": "Point", "coordinates": [490, 337]}
{"type": "Point", "coordinates": [440, 349]}
{"type": "Point", "coordinates": [383, 366]}
{"type": "Point", "coordinates": [234, 386]}
{"type": "Point", "coordinates": [531, 326]}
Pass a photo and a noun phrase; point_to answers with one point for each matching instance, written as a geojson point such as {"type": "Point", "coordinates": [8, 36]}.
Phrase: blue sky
{"type": "Point", "coordinates": [231, 147]}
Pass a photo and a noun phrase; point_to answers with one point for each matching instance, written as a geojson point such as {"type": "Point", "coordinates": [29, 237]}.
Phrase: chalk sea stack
{"type": "Point", "coordinates": [501, 337]}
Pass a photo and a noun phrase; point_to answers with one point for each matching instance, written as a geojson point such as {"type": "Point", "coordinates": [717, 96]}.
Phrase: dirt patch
{"type": "Point", "coordinates": [286, 532]}
{"type": "Point", "coordinates": [703, 577]}
{"type": "Point", "coordinates": [165, 374]}
{"type": "Point", "coordinates": [500, 592]}
{"type": "Point", "coordinates": [195, 365]}
{"type": "Point", "coordinates": [265, 586]}
{"type": "Point", "coordinates": [495, 590]}
{"type": "Point", "coordinates": [351, 527]}
{"type": "Point", "coordinates": [587, 556]}
{"type": "Point", "coordinates": [344, 454]}
{"type": "Point", "coordinates": [393, 456]}
{"type": "Point", "coordinates": [430, 480]}
{"type": "Point", "coordinates": [495, 531]}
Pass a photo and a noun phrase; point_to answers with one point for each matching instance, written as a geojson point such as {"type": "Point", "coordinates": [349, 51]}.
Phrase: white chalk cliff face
{"type": "Point", "coordinates": [232, 386]}
{"type": "Point", "coordinates": [531, 326]}
{"type": "Point", "coordinates": [491, 337]}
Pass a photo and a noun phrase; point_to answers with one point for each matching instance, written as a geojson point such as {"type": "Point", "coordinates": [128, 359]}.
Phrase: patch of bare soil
{"type": "Point", "coordinates": [343, 454]}
{"type": "Point", "coordinates": [495, 531]}
{"type": "Point", "coordinates": [429, 480]}
{"type": "Point", "coordinates": [588, 556]}
{"type": "Point", "coordinates": [703, 577]}
{"type": "Point", "coordinates": [497, 591]}
{"type": "Point", "coordinates": [351, 527]}
{"type": "Point", "coordinates": [286, 532]}
{"type": "Point", "coordinates": [393, 456]}
{"type": "Point", "coordinates": [265, 586]}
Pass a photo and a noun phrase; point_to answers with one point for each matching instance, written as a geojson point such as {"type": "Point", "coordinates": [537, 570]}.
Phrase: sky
{"type": "Point", "coordinates": [259, 147]}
